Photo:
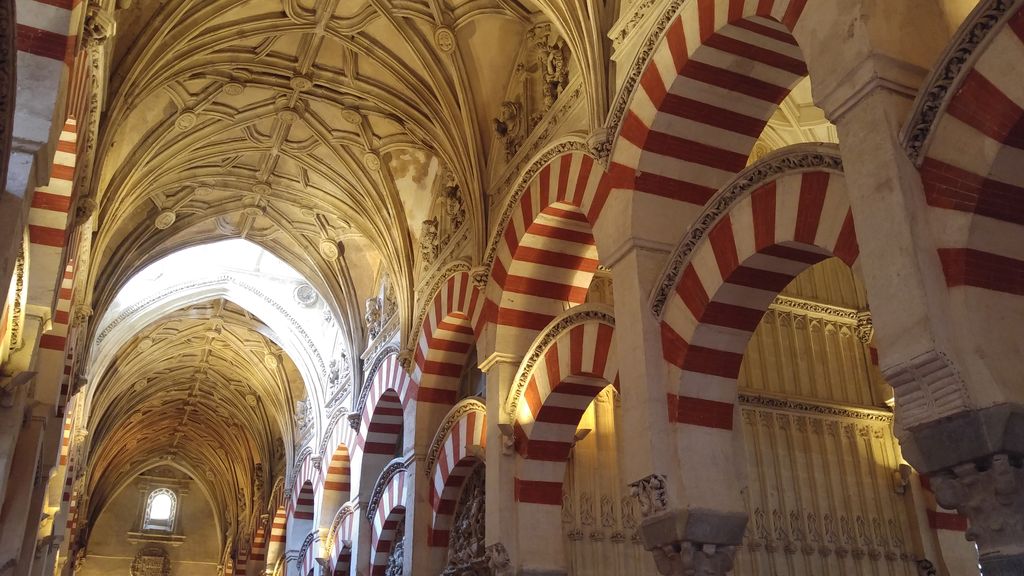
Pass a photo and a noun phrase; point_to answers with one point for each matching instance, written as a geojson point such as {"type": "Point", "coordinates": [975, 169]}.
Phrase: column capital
{"type": "Point", "coordinates": [685, 541]}
{"type": "Point", "coordinates": [991, 494]}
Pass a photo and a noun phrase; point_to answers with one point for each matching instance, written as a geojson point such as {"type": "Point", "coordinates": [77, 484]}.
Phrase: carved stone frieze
{"type": "Point", "coordinates": [651, 494]}
{"type": "Point", "coordinates": [151, 561]}
{"type": "Point", "coordinates": [827, 410]}
{"type": "Point", "coordinates": [793, 159]}
{"type": "Point", "coordinates": [991, 496]}
{"type": "Point", "coordinates": [686, 559]}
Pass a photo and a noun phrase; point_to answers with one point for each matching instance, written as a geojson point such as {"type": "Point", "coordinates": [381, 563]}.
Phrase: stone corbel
{"type": "Point", "coordinates": [498, 560]}
{"type": "Point", "coordinates": [685, 541]}
{"type": "Point", "coordinates": [508, 439]}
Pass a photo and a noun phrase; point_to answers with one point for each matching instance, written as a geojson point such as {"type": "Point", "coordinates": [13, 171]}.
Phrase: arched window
{"type": "Point", "coordinates": [160, 508]}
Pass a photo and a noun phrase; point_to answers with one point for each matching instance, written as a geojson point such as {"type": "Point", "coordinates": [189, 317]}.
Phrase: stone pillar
{"type": "Point", "coordinates": [500, 473]}
{"type": "Point", "coordinates": [418, 517]}
{"type": "Point", "coordinates": [18, 506]}
{"type": "Point", "coordinates": [991, 495]}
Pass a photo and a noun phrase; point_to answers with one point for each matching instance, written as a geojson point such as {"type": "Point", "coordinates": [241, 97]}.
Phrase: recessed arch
{"type": "Point", "coordinates": [386, 513]}
{"type": "Point", "coordinates": [754, 239]}
{"type": "Point", "coordinates": [459, 444]}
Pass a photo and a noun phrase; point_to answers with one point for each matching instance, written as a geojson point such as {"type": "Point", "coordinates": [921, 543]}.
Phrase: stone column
{"type": "Point", "coordinates": [19, 519]}
{"type": "Point", "coordinates": [418, 516]}
{"type": "Point", "coordinates": [683, 529]}
{"type": "Point", "coordinates": [991, 494]}
{"type": "Point", "coordinates": [500, 473]}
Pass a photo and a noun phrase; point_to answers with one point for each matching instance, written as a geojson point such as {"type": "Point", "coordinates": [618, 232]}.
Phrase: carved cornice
{"type": "Point", "coordinates": [364, 392]}
{"type": "Point", "coordinates": [429, 292]}
{"type": "Point", "coordinates": [572, 317]}
{"type": "Point", "coordinates": [522, 183]}
{"type": "Point", "coordinates": [814, 408]}
{"type": "Point", "coordinates": [789, 160]}
{"type": "Point", "coordinates": [643, 56]}
{"type": "Point", "coordinates": [297, 465]}
{"type": "Point", "coordinates": [946, 77]}
{"type": "Point", "coordinates": [454, 415]}
{"type": "Point", "coordinates": [838, 314]}
{"type": "Point", "coordinates": [395, 467]}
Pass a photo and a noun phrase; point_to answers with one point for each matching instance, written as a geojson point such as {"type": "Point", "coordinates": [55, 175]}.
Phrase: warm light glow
{"type": "Point", "coordinates": [160, 509]}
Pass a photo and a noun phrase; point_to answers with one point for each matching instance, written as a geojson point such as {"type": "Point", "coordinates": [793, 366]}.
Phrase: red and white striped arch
{"type": "Point", "coordinates": [750, 253]}
{"type": "Point", "coordinates": [449, 331]}
{"type": "Point", "coordinates": [462, 447]}
{"type": "Point", "coordinates": [386, 518]}
{"type": "Point", "coordinates": [341, 541]}
{"type": "Point", "coordinates": [278, 535]}
{"type": "Point", "coordinates": [571, 362]}
{"type": "Point", "coordinates": [383, 414]}
{"type": "Point", "coordinates": [337, 484]}
{"type": "Point", "coordinates": [720, 71]}
{"type": "Point", "coordinates": [971, 170]}
{"type": "Point", "coordinates": [546, 256]}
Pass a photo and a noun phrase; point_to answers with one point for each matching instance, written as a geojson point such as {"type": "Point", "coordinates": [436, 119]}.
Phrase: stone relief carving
{"type": "Point", "coordinates": [447, 217]}
{"type": "Point", "coordinates": [686, 558]}
{"type": "Point", "coordinates": [374, 317]}
{"type": "Point", "coordinates": [430, 241]}
{"type": "Point", "coordinates": [467, 554]}
{"type": "Point", "coordinates": [554, 60]}
{"type": "Point", "coordinates": [339, 377]}
{"type": "Point", "coordinates": [396, 560]}
{"type": "Point", "coordinates": [151, 561]}
{"type": "Point", "coordinates": [651, 494]}
{"type": "Point", "coordinates": [991, 495]}
{"type": "Point", "coordinates": [510, 127]}
{"type": "Point", "coordinates": [304, 417]}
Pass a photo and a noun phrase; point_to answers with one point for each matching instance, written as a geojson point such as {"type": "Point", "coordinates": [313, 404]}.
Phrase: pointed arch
{"type": "Point", "coordinates": [545, 255]}
{"type": "Point", "coordinates": [705, 93]}
{"type": "Point", "coordinates": [460, 443]}
{"type": "Point", "coordinates": [778, 218]}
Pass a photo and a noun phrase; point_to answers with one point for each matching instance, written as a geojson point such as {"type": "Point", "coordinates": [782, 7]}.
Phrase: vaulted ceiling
{"type": "Point", "coordinates": [316, 129]}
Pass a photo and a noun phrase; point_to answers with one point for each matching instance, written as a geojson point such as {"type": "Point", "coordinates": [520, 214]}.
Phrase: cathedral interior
{"type": "Point", "coordinates": [512, 287]}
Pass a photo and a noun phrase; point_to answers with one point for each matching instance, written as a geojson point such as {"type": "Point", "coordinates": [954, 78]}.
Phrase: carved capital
{"type": "Point", "coordinates": [480, 276]}
{"type": "Point", "coordinates": [991, 495]}
{"type": "Point", "coordinates": [353, 419]}
{"type": "Point", "coordinates": [99, 26]}
{"type": "Point", "coordinates": [865, 329]}
{"type": "Point", "coordinates": [652, 494]}
{"type": "Point", "coordinates": [498, 560]}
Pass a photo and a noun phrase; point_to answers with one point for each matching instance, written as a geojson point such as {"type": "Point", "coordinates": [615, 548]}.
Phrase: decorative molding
{"type": "Point", "coordinates": [310, 538]}
{"type": "Point", "coordinates": [815, 408]}
{"type": "Point", "coordinates": [395, 467]}
{"type": "Point", "coordinates": [454, 415]}
{"type": "Point", "coordinates": [945, 79]}
{"type": "Point", "coordinates": [18, 307]}
{"type": "Point", "coordinates": [572, 317]}
{"type": "Point", "coordinates": [430, 290]}
{"type": "Point", "coordinates": [364, 392]}
{"type": "Point", "coordinates": [522, 183]}
{"type": "Point", "coordinates": [346, 510]}
{"type": "Point", "coordinates": [636, 70]}
{"type": "Point", "coordinates": [838, 314]}
{"type": "Point", "coordinates": [789, 160]}
{"type": "Point", "coordinates": [629, 22]}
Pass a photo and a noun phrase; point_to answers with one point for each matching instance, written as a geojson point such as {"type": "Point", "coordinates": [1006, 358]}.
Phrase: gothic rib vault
{"type": "Point", "coordinates": [540, 287]}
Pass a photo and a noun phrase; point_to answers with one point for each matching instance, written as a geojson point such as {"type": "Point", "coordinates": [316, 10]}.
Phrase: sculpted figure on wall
{"type": "Point", "coordinates": [374, 321]}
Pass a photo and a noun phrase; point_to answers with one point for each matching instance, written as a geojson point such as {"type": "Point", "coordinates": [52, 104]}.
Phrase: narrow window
{"type": "Point", "coordinates": [160, 508]}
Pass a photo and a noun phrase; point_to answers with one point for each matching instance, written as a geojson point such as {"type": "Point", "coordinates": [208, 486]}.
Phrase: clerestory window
{"type": "Point", "coordinates": [160, 510]}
